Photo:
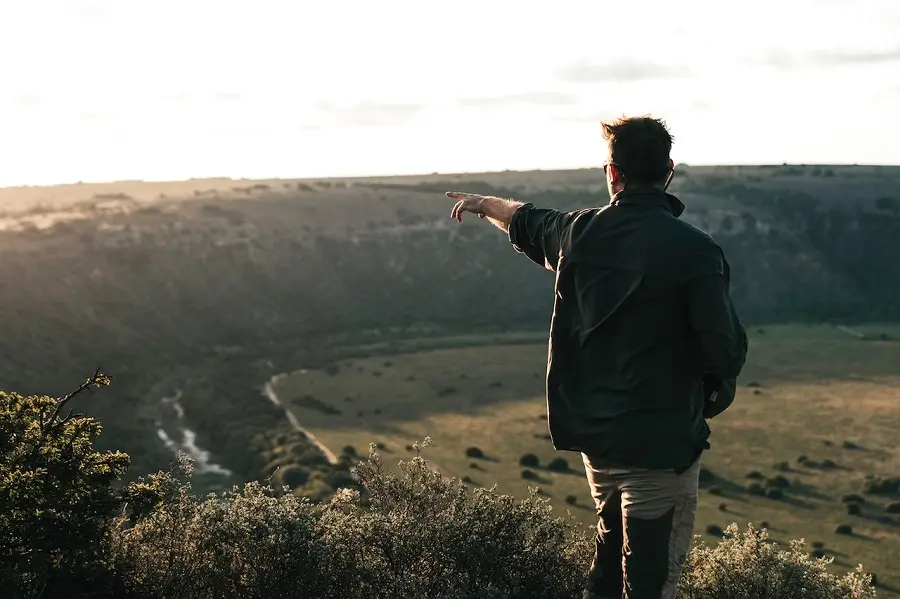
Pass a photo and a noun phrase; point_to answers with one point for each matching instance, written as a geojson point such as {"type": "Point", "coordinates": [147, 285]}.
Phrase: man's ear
{"type": "Point", "coordinates": [615, 175]}
{"type": "Point", "coordinates": [671, 164]}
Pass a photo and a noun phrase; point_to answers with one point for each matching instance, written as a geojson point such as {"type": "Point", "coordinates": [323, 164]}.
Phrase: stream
{"type": "Point", "coordinates": [171, 430]}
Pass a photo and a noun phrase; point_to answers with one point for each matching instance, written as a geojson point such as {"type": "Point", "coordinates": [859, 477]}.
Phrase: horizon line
{"type": "Point", "coordinates": [432, 174]}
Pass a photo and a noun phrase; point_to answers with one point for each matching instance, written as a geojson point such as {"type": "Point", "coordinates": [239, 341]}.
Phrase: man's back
{"type": "Point", "coordinates": [641, 313]}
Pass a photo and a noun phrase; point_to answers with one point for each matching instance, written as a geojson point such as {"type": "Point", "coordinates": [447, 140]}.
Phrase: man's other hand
{"type": "Point", "coordinates": [466, 202]}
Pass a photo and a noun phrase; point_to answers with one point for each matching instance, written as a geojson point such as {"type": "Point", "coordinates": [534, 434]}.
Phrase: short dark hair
{"type": "Point", "coordinates": [639, 147]}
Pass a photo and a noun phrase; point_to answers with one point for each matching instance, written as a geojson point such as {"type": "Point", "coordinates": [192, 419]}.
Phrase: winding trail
{"type": "Point", "coordinates": [269, 391]}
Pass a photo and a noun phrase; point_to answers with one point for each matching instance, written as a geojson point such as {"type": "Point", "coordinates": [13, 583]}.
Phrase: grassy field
{"type": "Point", "coordinates": [814, 391]}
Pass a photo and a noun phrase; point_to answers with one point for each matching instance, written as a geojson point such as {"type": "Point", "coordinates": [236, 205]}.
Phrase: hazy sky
{"type": "Point", "coordinates": [171, 89]}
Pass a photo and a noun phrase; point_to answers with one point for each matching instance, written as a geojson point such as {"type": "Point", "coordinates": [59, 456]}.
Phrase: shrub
{"type": "Point", "coordinates": [748, 566]}
{"type": "Point", "coordinates": [558, 465]}
{"type": "Point", "coordinates": [529, 474]}
{"type": "Point", "coordinates": [245, 542]}
{"type": "Point", "coordinates": [56, 494]}
{"type": "Point", "coordinates": [529, 460]}
{"type": "Point", "coordinates": [775, 494]}
{"type": "Point", "coordinates": [844, 529]}
{"type": "Point", "coordinates": [293, 476]}
{"type": "Point", "coordinates": [755, 475]}
{"type": "Point", "coordinates": [474, 452]}
{"type": "Point", "coordinates": [416, 534]}
{"type": "Point", "coordinates": [782, 466]}
{"type": "Point", "coordinates": [852, 498]}
{"type": "Point", "coordinates": [756, 489]}
{"type": "Point", "coordinates": [714, 530]}
{"type": "Point", "coordinates": [426, 536]}
{"type": "Point", "coordinates": [893, 507]}
{"type": "Point", "coordinates": [778, 482]}
{"type": "Point", "coordinates": [854, 509]}
{"type": "Point", "coordinates": [882, 486]}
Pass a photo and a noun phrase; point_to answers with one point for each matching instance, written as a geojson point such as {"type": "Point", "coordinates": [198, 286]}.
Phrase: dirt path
{"type": "Point", "coordinates": [269, 391]}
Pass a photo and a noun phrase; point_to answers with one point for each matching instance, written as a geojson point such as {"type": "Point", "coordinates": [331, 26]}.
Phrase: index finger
{"type": "Point", "coordinates": [460, 195]}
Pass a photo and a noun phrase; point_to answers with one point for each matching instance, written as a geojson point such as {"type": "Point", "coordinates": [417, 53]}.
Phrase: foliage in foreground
{"type": "Point", "coordinates": [67, 532]}
{"type": "Point", "coordinates": [748, 566]}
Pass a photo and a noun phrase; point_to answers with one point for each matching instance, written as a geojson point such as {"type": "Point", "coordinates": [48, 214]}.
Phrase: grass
{"type": "Point", "coordinates": [805, 391]}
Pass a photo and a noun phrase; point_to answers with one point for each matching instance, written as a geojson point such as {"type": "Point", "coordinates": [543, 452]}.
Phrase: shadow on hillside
{"type": "Point", "coordinates": [806, 490]}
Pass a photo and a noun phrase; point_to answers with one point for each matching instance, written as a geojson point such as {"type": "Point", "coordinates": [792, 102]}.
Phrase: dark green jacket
{"type": "Point", "coordinates": [642, 316]}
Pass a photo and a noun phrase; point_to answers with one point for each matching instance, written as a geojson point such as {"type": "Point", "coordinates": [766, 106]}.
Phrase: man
{"type": "Point", "coordinates": [645, 344]}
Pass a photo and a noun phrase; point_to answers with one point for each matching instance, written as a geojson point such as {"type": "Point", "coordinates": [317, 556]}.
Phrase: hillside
{"type": "Point", "coordinates": [210, 287]}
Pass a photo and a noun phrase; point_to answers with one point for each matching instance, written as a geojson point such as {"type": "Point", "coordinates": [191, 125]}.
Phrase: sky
{"type": "Point", "coordinates": [100, 90]}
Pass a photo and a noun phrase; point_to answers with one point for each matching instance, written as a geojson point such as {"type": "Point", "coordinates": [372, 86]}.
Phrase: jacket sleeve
{"type": "Point", "coordinates": [538, 232]}
{"type": "Point", "coordinates": [722, 337]}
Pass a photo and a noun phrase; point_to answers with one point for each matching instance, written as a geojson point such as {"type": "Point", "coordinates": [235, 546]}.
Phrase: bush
{"type": "Point", "coordinates": [893, 507]}
{"type": "Point", "coordinates": [714, 530]}
{"type": "Point", "coordinates": [243, 543]}
{"type": "Point", "coordinates": [775, 494]}
{"type": "Point", "coordinates": [778, 482]}
{"type": "Point", "coordinates": [748, 566]}
{"type": "Point", "coordinates": [293, 476]}
{"type": "Point", "coordinates": [529, 474]}
{"type": "Point", "coordinates": [854, 509]}
{"type": "Point", "coordinates": [882, 486]}
{"type": "Point", "coordinates": [426, 536]}
{"type": "Point", "coordinates": [558, 465]}
{"type": "Point", "coordinates": [474, 452]}
{"type": "Point", "coordinates": [56, 495]}
{"type": "Point", "coordinates": [852, 498]}
{"type": "Point", "coordinates": [529, 460]}
{"type": "Point", "coordinates": [756, 489]}
{"type": "Point", "coordinates": [67, 533]}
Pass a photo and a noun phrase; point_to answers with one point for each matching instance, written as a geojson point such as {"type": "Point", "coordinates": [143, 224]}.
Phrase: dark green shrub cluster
{"type": "Point", "coordinates": [55, 494]}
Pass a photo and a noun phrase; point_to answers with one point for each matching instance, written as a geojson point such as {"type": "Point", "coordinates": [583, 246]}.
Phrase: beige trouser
{"type": "Point", "coordinates": [644, 530]}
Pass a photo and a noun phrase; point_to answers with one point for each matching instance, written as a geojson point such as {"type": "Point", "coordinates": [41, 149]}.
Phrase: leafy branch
{"type": "Point", "coordinates": [95, 381]}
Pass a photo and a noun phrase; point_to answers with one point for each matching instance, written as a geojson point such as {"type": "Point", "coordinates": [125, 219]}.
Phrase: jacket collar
{"type": "Point", "coordinates": [649, 196]}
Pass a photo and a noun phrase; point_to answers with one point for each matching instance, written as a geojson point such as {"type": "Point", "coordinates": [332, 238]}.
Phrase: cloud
{"type": "Point", "coordinates": [228, 96]}
{"type": "Point", "coordinates": [92, 116]}
{"type": "Point", "coordinates": [783, 60]}
{"type": "Point", "coordinates": [666, 111]}
{"type": "Point", "coordinates": [26, 100]}
{"type": "Point", "coordinates": [531, 98]}
{"type": "Point", "coordinates": [90, 9]}
{"type": "Point", "coordinates": [584, 71]}
{"type": "Point", "coordinates": [372, 114]}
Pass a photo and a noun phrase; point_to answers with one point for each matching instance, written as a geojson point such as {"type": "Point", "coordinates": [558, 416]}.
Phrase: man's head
{"type": "Point", "coordinates": [639, 150]}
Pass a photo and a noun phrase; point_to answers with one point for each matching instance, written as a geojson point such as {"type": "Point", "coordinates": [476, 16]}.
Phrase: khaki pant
{"type": "Point", "coordinates": [644, 530]}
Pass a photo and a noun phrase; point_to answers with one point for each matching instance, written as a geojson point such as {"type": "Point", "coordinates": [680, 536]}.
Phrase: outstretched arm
{"type": "Point", "coordinates": [497, 210]}
{"type": "Point", "coordinates": [535, 232]}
